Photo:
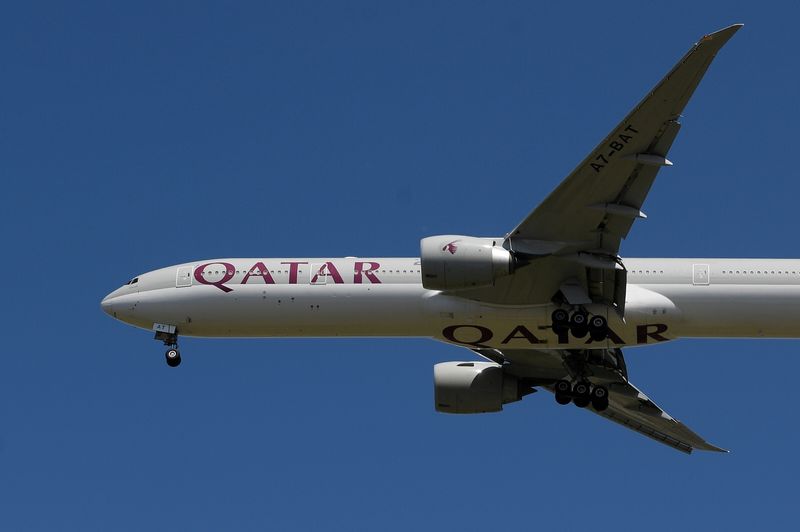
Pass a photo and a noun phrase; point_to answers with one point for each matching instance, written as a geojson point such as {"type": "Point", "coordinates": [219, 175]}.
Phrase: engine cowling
{"type": "Point", "coordinates": [452, 262]}
{"type": "Point", "coordinates": [474, 387]}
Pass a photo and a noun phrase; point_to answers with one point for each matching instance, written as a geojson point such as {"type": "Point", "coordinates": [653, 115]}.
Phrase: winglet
{"type": "Point", "coordinates": [710, 447]}
{"type": "Point", "coordinates": [722, 35]}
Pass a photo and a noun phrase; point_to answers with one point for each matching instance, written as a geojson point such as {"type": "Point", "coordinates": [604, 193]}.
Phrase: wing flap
{"type": "Point", "coordinates": [632, 409]}
{"type": "Point", "coordinates": [628, 406]}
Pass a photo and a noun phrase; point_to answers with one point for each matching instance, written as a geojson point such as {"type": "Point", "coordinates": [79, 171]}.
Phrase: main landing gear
{"type": "Point", "coordinates": [582, 394]}
{"type": "Point", "coordinates": [170, 339]}
{"type": "Point", "coordinates": [580, 324]}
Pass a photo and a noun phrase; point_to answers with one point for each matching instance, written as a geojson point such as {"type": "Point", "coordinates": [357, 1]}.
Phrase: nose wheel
{"type": "Point", "coordinates": [169, 335]}
{"type": "Point", "coordinates": [173, 357]}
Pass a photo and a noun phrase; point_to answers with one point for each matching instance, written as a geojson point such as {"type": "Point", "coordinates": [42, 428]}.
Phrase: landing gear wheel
{"type": "Point", "coordinates": [581, 389]}
{"type": "Point", "coordinates": [600, 405]}
{"type": "Point", "coordinates": [581, 396]}
{"type": "Point", "coordinates": [598, 328]}
{"type": "Point", "coordinates": [563, 393]}
{"type": "Point", "coordinates": [560, 319]}
{"type": "Point", "coordinates": [560, 315]}
{"type": "Point", "coordinates": [563, 386]}
{"type": "Point", "coordinates": [578, 324]}
{"type": "Point", "coordinates": [173, 357]}
{"type": "Point", "coordinates": [582, 402]}
{"type": "Point", "coordinates": [563, 399]}
{"type": "Point", "coordinates": [599, 398]}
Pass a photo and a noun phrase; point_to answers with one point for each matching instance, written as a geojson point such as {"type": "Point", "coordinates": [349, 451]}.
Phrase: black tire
{"type": "Point", "coordinates": [581, 389]}
{"type": "Point", "coordinates": [581, 402]}
{"type": "Point", "coordinates": [579, 332]}
{"type": "Point", "coordinates": [600, 392]}
{"type": "Point", "coordinates": [563, 399]}
{"type": "Point", "coordinates": [598, 322]}
{"type": "Point", "coordinates": [563, 387]}
{"type": "Point", "coordinates": [559, 316]}
{"type": "Point", "coordinates": [600, 404]}
{"type": "Point", "coordinates": [598, 336]}
{"type": "Point", "coordinates": [598, 328]}
{"type": "Point", "coordinates": [579, 319]}
{"type": "Point", "coordinates": [560, 328]}
{"type": "Point", "coordinates": [599, 398]}
{"type": "Point", "coordinates": [579, 324]}
{"type": "Point", "coordinates": [173, 357]}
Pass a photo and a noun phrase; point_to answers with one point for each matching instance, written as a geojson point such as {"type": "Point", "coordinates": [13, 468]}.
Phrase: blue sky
{"type": "Point", "coordinates": [140, 135]}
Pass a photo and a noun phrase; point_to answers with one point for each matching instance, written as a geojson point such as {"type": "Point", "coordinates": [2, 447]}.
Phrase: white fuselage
{"type": "Point", "coordinates": [666, 299]}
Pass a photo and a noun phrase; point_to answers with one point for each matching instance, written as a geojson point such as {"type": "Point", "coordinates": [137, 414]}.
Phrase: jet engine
{"type": "Point", "coordinates": [475, 387]}
{"type": "Point", "coordinates": [450, 262]}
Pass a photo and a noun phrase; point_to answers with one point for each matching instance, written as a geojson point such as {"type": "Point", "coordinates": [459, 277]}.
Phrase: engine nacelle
{"type": "Point", "coordinates": [450, 262]}
{"type": "Point", "coordinates": [474, 387]}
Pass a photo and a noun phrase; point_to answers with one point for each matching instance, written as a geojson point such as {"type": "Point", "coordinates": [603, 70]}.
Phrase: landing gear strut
{"type": "Point", "coordinates": [170, 339]}
{"type": "Point", "coordinates": [582, 394]}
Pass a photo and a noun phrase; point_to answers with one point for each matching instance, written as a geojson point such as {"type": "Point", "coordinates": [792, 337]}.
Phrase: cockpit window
{"type": "Point", "coordinates": [132, 281]}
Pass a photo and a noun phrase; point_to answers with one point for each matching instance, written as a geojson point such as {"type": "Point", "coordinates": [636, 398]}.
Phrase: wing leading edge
{"type": "Point", "coordinates": [569, 244]}
{"type": "Point", "coordinates": [595, 206]}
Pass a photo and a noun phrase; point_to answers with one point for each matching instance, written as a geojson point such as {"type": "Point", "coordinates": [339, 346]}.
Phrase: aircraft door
{"type": "Point", "coordinates": [183, 277]}
{"type": "Point", "coordinates": [700, 275]}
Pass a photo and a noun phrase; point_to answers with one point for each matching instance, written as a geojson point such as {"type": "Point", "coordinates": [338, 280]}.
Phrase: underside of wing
{"type": "Point", "coordinates": [626, 404]}
{"type": "Point", "coordinates": [595, 206]}
{"type": "Point", "coordinates": [634, 410]}
{"type": "Point", "coordinates": [567, 249]}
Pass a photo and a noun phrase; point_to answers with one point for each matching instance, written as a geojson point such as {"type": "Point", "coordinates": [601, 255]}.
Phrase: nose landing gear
{"type": "Point", "coordinates": [169, 335]}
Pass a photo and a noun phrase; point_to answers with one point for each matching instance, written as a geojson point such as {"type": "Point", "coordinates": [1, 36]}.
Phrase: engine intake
{"type": "Point", "coordinates": [451, 262]}
{"type": "Point", "coordinates": [474, 387]}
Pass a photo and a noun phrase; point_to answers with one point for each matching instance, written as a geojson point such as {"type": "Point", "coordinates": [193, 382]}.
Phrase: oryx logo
{"type": "Point", "coordinates": [451, 247]}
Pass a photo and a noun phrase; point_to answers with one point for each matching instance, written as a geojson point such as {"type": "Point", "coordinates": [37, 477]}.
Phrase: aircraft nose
{"type": "Point", "coordinates": [106, 305]}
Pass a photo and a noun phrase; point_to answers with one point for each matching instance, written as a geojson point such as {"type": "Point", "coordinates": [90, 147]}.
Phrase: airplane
{"type": "Point", "coordinates": [549, 306]}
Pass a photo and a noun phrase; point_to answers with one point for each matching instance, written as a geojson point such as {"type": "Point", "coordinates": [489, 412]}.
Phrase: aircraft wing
{"type": "Point", "coordinates": [595, 206]}
{"type": "Point", "coordinates": [568, 247]}
{"type": "Point", "coordinates": [627, 405]}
